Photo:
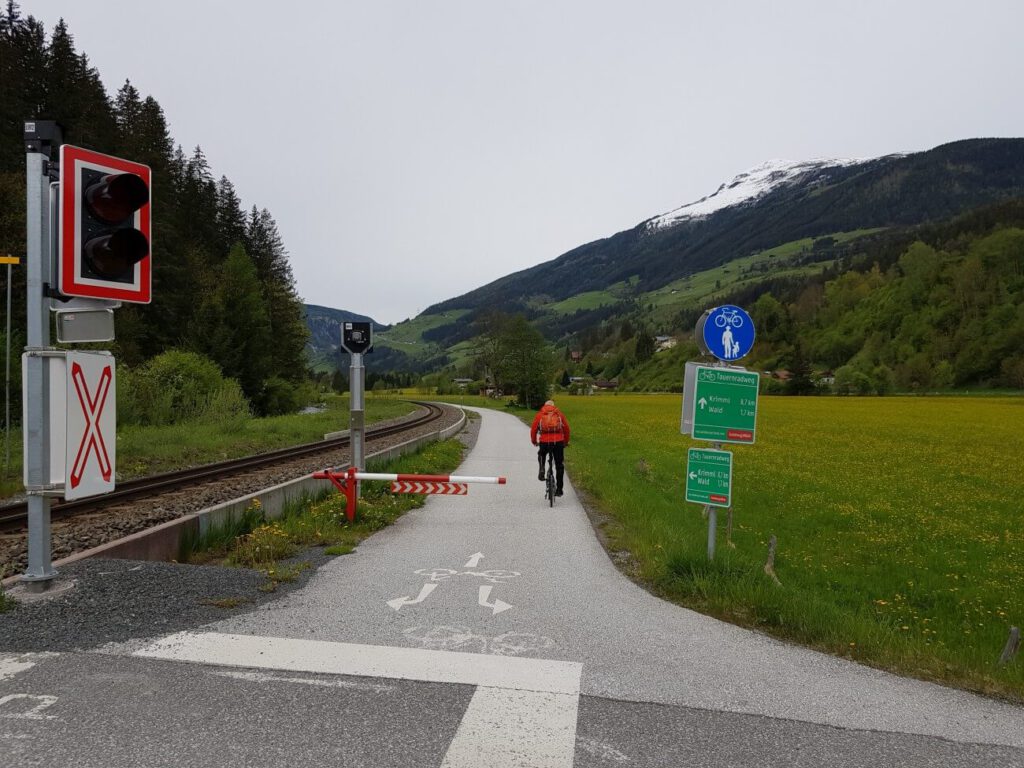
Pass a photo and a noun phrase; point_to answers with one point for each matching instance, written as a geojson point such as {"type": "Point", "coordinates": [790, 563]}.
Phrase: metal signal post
{"type": "Point", "coordinates": [42, 137]}
{"type": "Point", "coordinates": [91, 243]}
{"type": "Point", "coordinates": [357, 338]}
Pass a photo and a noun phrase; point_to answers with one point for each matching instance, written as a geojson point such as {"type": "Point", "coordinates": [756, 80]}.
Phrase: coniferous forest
{"type": "Point", "coordinates": [222, 284]}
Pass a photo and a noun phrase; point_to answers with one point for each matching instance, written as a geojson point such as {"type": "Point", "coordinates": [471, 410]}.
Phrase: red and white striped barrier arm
{"type": "Point", "coordinates": [428, 478]}
{"type": "Point", "coordinates": [412, 486]}
{"type": "Point", "coordinates": [347, 482]}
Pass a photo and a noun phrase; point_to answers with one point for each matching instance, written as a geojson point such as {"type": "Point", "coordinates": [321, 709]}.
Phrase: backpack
{"type": "Point", "coordinates": [550, 422]}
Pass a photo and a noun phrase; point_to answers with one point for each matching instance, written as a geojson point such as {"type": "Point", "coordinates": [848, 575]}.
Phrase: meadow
{"type": "Point", "coordinates": [898, 519]}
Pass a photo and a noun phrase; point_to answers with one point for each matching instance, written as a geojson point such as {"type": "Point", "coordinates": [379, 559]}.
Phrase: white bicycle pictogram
{"type": "Point", "coordinates": [730, 316]}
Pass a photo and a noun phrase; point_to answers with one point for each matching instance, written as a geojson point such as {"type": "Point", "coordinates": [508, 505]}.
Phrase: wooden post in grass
{"type": "Point", "coordinates": [1012, 646]}
{"type": "Point", "coordinates": [728, 530]}
{"type": "Point", "coordinates": [769, 566]}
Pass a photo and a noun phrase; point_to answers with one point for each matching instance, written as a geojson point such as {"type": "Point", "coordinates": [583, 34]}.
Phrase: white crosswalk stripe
{"type": "Point", "coordinates": [523, 712]}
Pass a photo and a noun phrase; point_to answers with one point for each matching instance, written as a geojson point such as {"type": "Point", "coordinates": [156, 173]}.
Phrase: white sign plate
{"type": "Point", "coordinates": [91, 425]}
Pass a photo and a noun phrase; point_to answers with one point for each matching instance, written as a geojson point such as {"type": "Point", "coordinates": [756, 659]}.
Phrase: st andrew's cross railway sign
{"type": "Point", "coordinates": [725, 405]}
{"type": "Point", "coordinates": [91, 425]}
{"type": "Point", "coordinates": [79, 432]}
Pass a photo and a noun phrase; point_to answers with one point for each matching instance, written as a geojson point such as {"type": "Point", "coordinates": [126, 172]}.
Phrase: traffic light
{"type": "Point", "coordinates": [104, 245]}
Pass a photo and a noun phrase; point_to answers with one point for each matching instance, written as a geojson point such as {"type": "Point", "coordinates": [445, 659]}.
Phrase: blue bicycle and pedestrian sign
{"type": "Point", "coordinates": [727, 332]}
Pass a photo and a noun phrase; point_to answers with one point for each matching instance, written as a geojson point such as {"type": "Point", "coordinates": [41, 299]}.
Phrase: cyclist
{"type": "Point", "coordinates": [550, 431]}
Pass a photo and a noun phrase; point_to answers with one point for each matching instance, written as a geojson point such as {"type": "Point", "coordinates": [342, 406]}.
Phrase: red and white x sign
{"type": "Point", "coordinates": [91, 424]}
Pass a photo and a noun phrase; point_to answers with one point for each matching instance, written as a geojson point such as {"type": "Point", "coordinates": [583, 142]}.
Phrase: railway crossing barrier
{"type": "Point", "coordinates": [347, 481]}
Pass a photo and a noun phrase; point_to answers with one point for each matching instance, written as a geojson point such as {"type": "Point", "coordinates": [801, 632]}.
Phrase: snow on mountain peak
{"type": "Point", "coordinates": [747, 186]}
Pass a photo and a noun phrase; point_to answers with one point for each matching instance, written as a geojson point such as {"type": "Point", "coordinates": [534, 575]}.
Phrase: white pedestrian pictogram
{"type": "Point", "coordinates": [727, 342]}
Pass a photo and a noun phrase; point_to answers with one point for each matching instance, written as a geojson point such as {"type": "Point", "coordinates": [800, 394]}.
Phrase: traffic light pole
{"type": "Point", "coordinates": [40, 572]}
{"type": "Point", "coordinates": [357, 415]}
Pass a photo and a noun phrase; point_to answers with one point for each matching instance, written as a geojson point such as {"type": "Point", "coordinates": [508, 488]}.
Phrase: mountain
{"type": "Point", "coordinates": [777, 228]}
{"type": "Point", "coordinates": [771, 205]}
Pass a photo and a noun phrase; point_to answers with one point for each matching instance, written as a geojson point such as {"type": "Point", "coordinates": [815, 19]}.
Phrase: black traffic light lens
{"type": "Point", "coordinates": [116, 197]}
{"type": "Point", "coordinates": [113, 256]}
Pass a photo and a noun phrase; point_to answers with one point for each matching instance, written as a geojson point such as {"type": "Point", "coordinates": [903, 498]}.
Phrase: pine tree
{"type": "Point", "coordinates": [231, 325]}
{"type": "Point", "coordinates": [231, 225]}
{"type": "Point", "coordinates": [284, 307]}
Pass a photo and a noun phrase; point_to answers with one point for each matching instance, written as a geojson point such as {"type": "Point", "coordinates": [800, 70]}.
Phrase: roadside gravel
{"type": "Point", "coordinates": [120, 600]}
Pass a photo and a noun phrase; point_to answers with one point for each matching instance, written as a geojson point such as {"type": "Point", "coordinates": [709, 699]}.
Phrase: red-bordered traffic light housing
{"type": "Point", "coordinates": [104, 250]}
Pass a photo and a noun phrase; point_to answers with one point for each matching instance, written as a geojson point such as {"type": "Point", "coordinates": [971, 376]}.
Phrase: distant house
{"type": "Point", "coordinates": [662, 343]}
{"type": "Point", "coordinates": [462, 383]}
{"type": "Point", "coordinates": [575, 355]}
{"type": "Point", "coordinates": [782, 375]}
{"type": "Point", "coordinates": [604, 384]}
{"type": "Point", "coordinates": [827, 378]}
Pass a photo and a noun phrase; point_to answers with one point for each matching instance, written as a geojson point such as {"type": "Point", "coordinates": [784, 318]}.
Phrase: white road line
{"type": "Point", "coordinates": [523, 712]}
{"type": "Point", "coordinates": [263, 677]}
{"type": "Point", "coordinates": [12, 664]}
{"type": "Point", "coordinates": [515, 729]}
{"type": "Point", "coordinates": [421, 664]}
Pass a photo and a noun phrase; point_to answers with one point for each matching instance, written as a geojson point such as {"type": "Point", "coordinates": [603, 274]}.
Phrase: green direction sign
{"type": "Point", "coordinates": [725, 405]}
{"type": "Point", "coordinates": [709, 477]}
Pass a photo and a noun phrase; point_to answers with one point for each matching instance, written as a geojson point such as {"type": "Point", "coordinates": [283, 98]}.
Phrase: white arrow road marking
{"type": "Point", "coordinates": [474, 560]}
{"type": "Point", "coordinates": [498, 606]}
{"type": "Point", "coordinates": [398, 602]}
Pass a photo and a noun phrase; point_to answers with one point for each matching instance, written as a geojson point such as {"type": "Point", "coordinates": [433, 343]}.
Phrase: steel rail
{"type": "Point", "coordinates": [15, 515]}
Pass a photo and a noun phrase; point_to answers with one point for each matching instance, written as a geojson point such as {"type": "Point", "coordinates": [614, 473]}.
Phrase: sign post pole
{"type": "Point", "coordinates": [41, 138]}
{"type": "Point", "coordinates": [719, 405]}
{"type": "Point", "coordinates": [357, 416]}
{"type": "Point", "coordinates": [357, 339]}
{"type": "Point", "coordinates": [712, 526]}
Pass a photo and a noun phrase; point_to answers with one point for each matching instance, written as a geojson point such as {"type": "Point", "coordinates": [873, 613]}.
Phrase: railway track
{"type": "Point", "coordinates": [15, 516]}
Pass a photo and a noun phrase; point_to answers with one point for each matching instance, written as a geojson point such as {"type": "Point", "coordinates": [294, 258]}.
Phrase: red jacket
{"type": "Point", "coordinates": [561, 436]}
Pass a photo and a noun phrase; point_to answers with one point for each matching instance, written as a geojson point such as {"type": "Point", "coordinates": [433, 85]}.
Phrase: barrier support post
{"type": "Point", "coordinates": [347, 484]}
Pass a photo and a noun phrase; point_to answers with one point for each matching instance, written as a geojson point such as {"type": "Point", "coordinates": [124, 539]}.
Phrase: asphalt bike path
{"type": "Point", "coordinates": [493, 630]}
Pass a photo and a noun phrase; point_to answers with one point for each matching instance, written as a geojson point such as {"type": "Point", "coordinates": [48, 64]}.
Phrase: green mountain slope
{"type": "Point", "coordinates": [888, 192]}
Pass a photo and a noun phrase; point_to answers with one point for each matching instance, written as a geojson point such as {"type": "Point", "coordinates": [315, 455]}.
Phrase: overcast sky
{"type": "Point", "coordinates": [412, 150]}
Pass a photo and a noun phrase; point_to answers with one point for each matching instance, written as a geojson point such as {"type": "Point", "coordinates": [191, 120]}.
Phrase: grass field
{"type": "Point", "coordinates": [899, 524]}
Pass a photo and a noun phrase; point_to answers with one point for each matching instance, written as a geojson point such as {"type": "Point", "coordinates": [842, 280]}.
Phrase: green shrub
{"type": "Point", "coordinates": [279, 397]}
{"type": "Point", "coordinates": [176, 387]}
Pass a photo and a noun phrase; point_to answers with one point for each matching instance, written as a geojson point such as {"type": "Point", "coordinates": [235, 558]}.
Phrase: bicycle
{"type": "Point", "coordinates": [549, 481]}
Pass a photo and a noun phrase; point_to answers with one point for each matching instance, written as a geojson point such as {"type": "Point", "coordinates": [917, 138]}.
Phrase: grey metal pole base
{"type": "Point", "coordinates": [38, 583]}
